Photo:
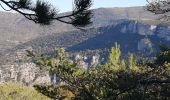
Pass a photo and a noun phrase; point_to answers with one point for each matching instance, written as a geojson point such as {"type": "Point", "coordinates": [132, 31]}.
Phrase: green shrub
{"type": "Point", "coordinates": [118, 79]}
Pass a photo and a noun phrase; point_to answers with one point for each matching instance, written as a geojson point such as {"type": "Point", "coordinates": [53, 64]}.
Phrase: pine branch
{"type": "Point", "coordinates": [43, 13]}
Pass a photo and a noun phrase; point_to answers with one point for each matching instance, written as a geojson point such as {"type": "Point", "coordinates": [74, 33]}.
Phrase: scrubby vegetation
{"type": "Point", "coordinates": [14, 91]}
{"type": "Point", "coordinates": [118, 79]}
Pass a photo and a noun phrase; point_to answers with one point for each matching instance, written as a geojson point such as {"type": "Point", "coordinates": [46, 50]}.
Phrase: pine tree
{"type": "Point", "coordinates": [44, 13]}
{"type": "Point", "coordinates": [118, 79]}
{"type": "Point", "coordinates": [160, 7]}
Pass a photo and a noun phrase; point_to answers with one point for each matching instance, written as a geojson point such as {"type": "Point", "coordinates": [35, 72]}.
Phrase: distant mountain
{"type": "Point", "coordinates": [15, 29]}
{"type": "Point", "coordinates": [134, 28]}
{"type": "Point", "coordinates": [128, 33]}
{"type": "Point", "coordinates": [18, 33]}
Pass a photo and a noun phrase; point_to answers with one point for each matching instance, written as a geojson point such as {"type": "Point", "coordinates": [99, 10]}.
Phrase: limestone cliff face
{"type": "Point", "coordinates": [19, 69]}
{"type": "Point", "coordinates": [134, 27]}
{"type": "Point", "coordinates": [26, 73]}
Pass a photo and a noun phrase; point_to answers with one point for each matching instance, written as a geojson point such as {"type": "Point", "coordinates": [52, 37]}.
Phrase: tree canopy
{"type": "Point", "coordinates": [44, 13]}
{"type": "Point", "coordinates": [118, 79]}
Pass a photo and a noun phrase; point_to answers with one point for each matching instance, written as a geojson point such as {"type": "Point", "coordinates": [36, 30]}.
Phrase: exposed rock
{"type": "Point", "coordinates": [145, 45]}
{"type": "Point", "coordinates": [19, 68]}
{"type": "Point", "coordinates": [26, 73]}
{"type": "Point", "coordinates": [95, 61]}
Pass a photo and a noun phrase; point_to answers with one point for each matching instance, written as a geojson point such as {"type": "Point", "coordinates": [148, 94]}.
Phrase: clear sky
{"type": "Point", "coordinates": [66, 5]}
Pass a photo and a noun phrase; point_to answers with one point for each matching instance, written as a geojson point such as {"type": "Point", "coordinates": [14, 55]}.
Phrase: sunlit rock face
{"type": "Point", "coordinates": [18, 68]}
{"type": "Point", "coordinates": [134, 27]}
{"type": "Point", "coordinates": [152, 27]}
{"type": "Point", "coordinates": [26, 73]}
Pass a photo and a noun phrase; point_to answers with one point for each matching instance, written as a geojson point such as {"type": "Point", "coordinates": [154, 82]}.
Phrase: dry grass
{"type": "Point", "coordinates": [14, 91]}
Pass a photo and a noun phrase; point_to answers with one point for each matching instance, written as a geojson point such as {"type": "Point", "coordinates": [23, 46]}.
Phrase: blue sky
{"type": "Point", "coordinates": [66, 5]}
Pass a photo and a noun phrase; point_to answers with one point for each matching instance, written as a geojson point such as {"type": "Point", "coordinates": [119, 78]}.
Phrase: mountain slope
{"type": "Point", "coordinates": [15, 29]}
{"type": "Point", "coordinates": [133, 36]}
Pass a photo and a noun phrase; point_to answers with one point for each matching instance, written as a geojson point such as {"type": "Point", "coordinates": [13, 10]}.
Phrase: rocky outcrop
{"type": "Point", "coordinates": [145, 45]}
{"type": "Point", "coordinates": [26, 73]}
{"type": "Point", "coordinates": [19, 68]}
{"type": "Point", "coordinates": [135, 27]}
